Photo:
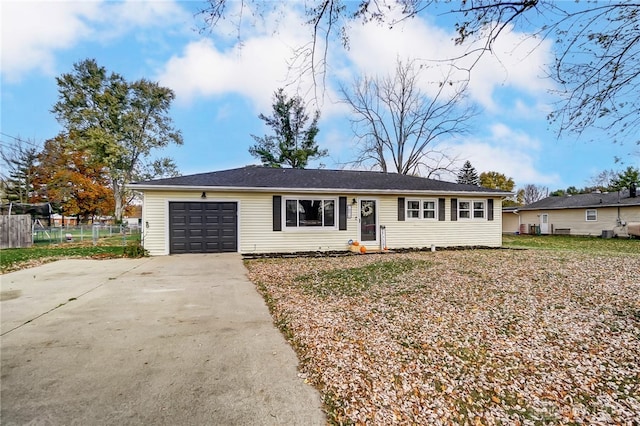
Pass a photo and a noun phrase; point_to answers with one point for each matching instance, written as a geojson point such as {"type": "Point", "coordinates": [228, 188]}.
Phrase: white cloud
{"type": "Point", "coordinates": [504, 150]}
{"type": "Point", "coordinates": [202, 70]}
{"type": "Point", "coordinates": [33, 32]}
{"type": "Point", "coordinates": [254, 67]}
{"type": "Point", "coordinates": [518, 61]}
{"type": "Point", "coordinates": [258, 64]}
{"type": "Point", "coordinates": [118, 19]}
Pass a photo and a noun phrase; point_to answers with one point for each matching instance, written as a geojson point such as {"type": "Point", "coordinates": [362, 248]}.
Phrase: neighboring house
{"type": "Point", "coordinates": [133, 219]}
{"type": "Point", "coordinates": [510, 220]}
{"type": "Point", "coordinates": [60, 220]}
{"type": "Point", "coordinates": [257, 209]}
{"type": "Point", "coordinates": [582, 214]}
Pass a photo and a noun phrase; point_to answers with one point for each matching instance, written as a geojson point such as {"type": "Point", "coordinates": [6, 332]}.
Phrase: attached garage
{"type": "Point", "coordinates": [203, 227]}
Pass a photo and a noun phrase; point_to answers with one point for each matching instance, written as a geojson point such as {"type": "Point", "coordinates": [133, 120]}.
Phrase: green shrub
{"type": "Point", "coordinates": [134, 250]}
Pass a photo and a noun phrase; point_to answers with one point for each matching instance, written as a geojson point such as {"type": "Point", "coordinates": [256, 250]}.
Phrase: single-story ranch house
{"type": "Point", "coordinates": [581, 214]}
{"type": "Point", "coordinates": [259, 209]}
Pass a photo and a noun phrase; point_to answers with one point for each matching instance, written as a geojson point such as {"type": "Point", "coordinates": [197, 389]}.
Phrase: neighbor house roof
{"type": "Point", "coordinates": [581, 201]}
{"type": "Point", "coordinates": [259, 178]}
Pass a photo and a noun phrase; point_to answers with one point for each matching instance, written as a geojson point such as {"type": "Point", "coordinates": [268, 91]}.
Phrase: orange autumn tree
{"type": "Point", "coordinates": [73, 183]}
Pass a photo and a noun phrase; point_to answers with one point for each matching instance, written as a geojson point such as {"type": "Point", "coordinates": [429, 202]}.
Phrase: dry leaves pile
{"type": "Point", "coordinates": [464, 337]}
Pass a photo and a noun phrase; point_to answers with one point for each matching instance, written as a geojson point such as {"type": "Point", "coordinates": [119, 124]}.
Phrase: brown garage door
{"type": "Point", "coordinates": [203, 227]}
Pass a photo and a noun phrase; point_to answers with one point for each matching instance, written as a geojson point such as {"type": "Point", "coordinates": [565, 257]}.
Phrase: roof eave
{"type": "Point", "coordinates": [143, 187]}
{"type": "Point", "coordinates": [592, 206]}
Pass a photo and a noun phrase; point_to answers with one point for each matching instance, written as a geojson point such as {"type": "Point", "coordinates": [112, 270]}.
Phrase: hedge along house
{"type": "Point", "coordinates": [596, 214]}
{"type": "Point", "coordinates": [258, 209]}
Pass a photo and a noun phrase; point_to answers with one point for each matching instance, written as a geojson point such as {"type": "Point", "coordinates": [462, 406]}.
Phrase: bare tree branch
{"type": "Point", "coordinates": [398, 125]}
{"type": "Point", "coordinates": [597, 60]}
{"type": "Point", "coordinates": [532, 193]}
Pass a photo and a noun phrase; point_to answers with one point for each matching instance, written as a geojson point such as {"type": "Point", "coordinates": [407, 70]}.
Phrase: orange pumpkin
{"type": "Point", "coordinates": [363, 249]}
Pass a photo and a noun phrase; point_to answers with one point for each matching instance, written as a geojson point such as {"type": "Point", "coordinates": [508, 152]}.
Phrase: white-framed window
{"type": "Point", "coordinates": [592, 215]}
{"type": "Point", "coordinates": [422, 209]}
{"type": "Point", "coordinates": [472, 209]}
{"type": "Point", "coordinates": [478, 210]}
{"type": "Point", "coordinates": [429, 209]}
{"type": "Point", "coordinates": [464, 210]}
{"type": "Point", "coordinates": [310, 213]}
{"type": "Point", "coordinates": [413, 209]}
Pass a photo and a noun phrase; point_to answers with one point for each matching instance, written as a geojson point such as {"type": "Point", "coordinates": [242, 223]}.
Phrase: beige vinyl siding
{"type": "Point", "coordinates": [575, 219]}
{"type": "Point", "coordinates": [256, 235]}
{"type": "Point", "coordinates": [510, 222]}
{"type": "Point", "coordinates": [424, 233]}
{"type": "Point", "coordinates": [255, 223]}
{"type": "Point", "coordinates": [154, 223]}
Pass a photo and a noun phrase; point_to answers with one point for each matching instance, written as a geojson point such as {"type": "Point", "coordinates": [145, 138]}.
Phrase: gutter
{"type": "Point", "coordinates": [591, 206]}
{"type": "Point", "coordinates": [516, 212]}
{"type": "Point", "coordinates": [143, 187]}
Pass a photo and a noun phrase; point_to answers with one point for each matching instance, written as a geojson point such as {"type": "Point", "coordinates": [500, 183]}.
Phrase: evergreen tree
{"type": "Point", "coordinates": [19, 165]}
{"type": "Point", "coordinates": [626, 178]}
{"type": "Point", "coordinates": [292, 145]}
{"type": "Point", "coordinates": [468, 174]}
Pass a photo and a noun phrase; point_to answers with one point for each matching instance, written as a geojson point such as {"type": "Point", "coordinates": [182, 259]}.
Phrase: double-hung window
{"type": "Point", "coordinates": [478, 209]}
{"type": "Point", "coordinates": [422, 209]}
{"type": "Point", "coordinates": [592, 215]}
{"type": "Point", "coordinates": [310, 212]}
{"type": "Point", "coordinates": [471, 209]}
{"type": "Point", "coordinates": [413, 209]}
{"type": "Point", "coordinates": [429, 209]}
{"type": "Point", "coordinates": [464, 209]}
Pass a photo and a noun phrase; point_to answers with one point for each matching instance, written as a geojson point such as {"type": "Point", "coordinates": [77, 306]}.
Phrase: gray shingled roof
{"type": "Point", "coordinates": [592, 200]}
{"type": "Point", "coordinates": [256, 177]}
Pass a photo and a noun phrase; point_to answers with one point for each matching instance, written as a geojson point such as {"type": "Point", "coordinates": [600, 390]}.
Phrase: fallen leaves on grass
{"type": "Point", "coordinates": [464, 337]}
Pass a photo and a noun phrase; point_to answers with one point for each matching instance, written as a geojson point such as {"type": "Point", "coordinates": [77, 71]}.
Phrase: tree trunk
{"type": "Point", "coordinates": [117, 194]}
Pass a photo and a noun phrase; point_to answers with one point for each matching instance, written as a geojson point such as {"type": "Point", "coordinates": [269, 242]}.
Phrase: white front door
{"type": "Point", "coordinates": [369, 222]}
{"type": "Point", "coordinates": [544, 223]}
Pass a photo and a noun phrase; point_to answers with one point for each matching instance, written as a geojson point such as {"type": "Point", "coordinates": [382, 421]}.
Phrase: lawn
{"type": "Point", "coordinates": [107, 247]}
{"type": "Point", "coordinates": [573, 243]}
{"type": "Point", "coordinates": [464, 337]}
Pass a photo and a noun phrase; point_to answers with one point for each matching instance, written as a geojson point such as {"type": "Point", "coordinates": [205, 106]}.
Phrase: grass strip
{"type": "Point", "coordinates": [13, 259]}
{"type": "Point", "coordinates": [355, 281]}
{"type": "Point", "coordinates": [573, 243]}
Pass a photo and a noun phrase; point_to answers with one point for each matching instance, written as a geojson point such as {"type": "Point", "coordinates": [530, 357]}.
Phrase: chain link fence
{"type": "Point", "coordinates": [85, 233]}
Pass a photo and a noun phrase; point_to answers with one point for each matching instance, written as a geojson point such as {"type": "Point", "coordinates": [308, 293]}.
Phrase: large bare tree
{"type": "Point", "coordinates": [597, 63]}
{"type": "Point", "coordinates": [532, 193]}
{"type": "Point", "coordinates": [399, 126]}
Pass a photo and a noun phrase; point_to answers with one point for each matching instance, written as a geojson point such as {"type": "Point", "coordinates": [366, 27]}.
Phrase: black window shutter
{"type": "Point", "coordinates": [401, 209]}
{"type": "Point", "coordinates": [342, 213]}
{"type": "Point", "coordinates": [490, 209]}
{"type": "Point", "coordinates": [454, 209]}
{"type": "Point", "coordinates": [277, 213]}
{"type": "Point", "coordinates": [440, 209]}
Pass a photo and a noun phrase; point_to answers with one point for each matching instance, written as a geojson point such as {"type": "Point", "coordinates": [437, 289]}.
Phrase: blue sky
{"type": "Point", "coordinates": [222, 86]}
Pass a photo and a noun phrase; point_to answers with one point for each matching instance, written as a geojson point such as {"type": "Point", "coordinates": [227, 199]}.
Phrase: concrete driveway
{"type": "Point", "coordinates": [180, 340]}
